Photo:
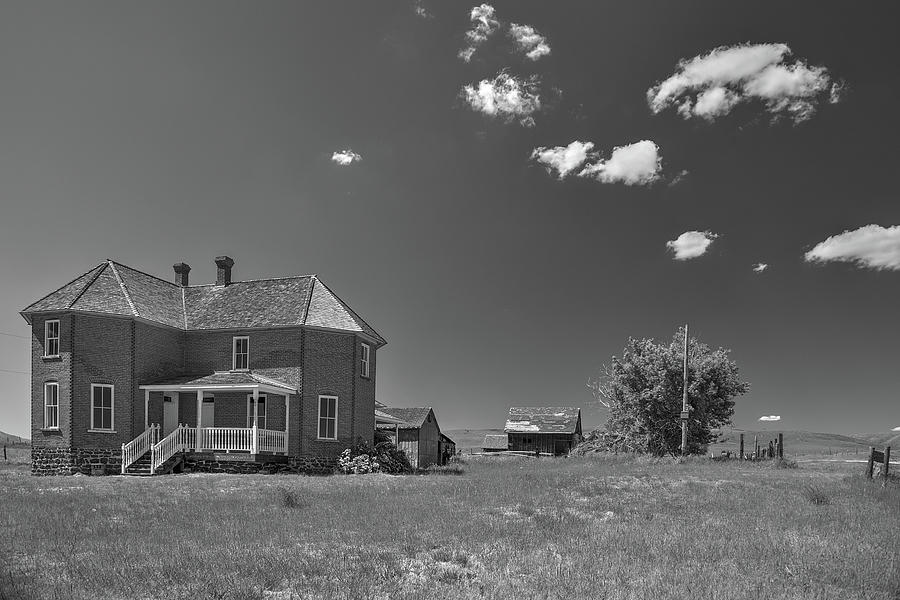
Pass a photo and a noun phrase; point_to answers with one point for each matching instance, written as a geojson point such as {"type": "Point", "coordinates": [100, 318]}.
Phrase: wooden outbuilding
{"type": "Point", "coordinates": [545, 429]}
{"type": "Point", "coordinates": [446, 448]}
{"type": "Point", "coordinates": [419, 433]}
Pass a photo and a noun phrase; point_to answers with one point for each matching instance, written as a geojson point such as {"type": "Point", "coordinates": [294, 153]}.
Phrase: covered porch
{"type": "Point", "coordinates": [229, 412]}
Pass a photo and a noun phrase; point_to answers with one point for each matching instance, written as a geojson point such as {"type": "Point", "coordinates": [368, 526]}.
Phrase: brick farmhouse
{"type": "Point", "coordinates": [280, 372]}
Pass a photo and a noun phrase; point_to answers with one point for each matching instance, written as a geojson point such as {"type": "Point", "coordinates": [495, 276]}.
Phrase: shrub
{"type": "Point", "coordinates": [357, 463]}
{"type": "Point", "coordinates": [391, 458]}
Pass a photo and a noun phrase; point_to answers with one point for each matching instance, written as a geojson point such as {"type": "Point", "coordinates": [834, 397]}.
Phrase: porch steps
{"type": "Point", "coordinates": [141, 467]}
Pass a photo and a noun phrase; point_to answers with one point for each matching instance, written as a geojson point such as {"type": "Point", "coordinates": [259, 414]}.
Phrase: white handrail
{"type": "Point", "coordinates": [168, 447]}
{"type": "Point", "coordinates": [139, 446]}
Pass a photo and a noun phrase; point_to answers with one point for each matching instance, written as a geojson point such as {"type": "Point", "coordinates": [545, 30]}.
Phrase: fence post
{"type": "Point", "coordinates": [780, 445]}
{"type": "Point", "coordinates": [756, 447]}
{"type": "Point", "coordinates": [4, 452]}
{"type": "Point", "coordinates": [742, 446]}
{"type": "Point", "coordinates": [887, 461]}
{"type": "Point", "coordinates": [871, 463]}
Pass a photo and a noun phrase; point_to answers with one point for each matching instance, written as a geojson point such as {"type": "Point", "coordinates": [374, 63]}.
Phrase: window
{"type": "Point", "coordinates": [51, 338]}
{"type": "Point", "coordinates": [241, 357]}
{"type": "Point", "coordinates": [364, 360]}
{"type": "Point", "coordinates": [260, 411]}
{"type": "Point", "coordinates": [51, 405]}
{"type": "Point", "coordinates": [101, 407]}
{"type": "Point", "coordinates": [328, 417]}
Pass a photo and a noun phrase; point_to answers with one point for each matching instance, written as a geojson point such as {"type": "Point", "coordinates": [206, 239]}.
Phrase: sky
{"type": "Point", "coordinates": [416, 169]}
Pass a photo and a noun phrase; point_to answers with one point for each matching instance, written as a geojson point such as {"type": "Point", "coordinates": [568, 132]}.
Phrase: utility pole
{"type": "Point", "coordinates": [684, 400]}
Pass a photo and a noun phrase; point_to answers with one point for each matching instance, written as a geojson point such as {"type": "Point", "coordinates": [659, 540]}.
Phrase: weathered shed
{"type": "Point", "coordinates": [547, 429]}
{"type": "Point", "coordinates": [494, 443]}
{"type": "Point", "coordinates": [419, 434]}
{"type": "Point", "coordinates": [446, 448]}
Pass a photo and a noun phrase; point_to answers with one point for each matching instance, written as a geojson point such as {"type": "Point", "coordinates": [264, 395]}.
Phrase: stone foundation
{"type": "Point", "coordinates": [69, 461]}
{"type": "Point", "coordinates": [240, 464]}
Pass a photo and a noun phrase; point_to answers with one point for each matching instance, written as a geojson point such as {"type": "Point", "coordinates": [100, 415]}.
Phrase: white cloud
{"type": "Point", "coordinates": [346, 157]}
{"type": "Point", "coordinates": [529, 41]}
{"type": "Point", "coordinates": [760, 267]}
{"type": "Point", "coordinates": [483, 26]}
{"type": "Point", "coordinates": [563, 159]}
{"type": "Point", "coordinates": [770, 418]}
{"type": "Point", "coordinates": [505, 97]}
{"type": "Point", "coordinates": [691, 244]}
{"type": "Point", "coordinates": [709, 86]}
{"type": "Point", "coordinates": [634, 164]}
{"type": "Point", "coordinates": [871, 246]}
{"type": "Point", "coordinates": [896, 429]}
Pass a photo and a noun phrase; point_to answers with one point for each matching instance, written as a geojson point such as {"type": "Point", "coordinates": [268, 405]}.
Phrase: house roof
{"type": "Point", "coordinates": [412, 418]}
{"type": "Point", "coordinates": [113, 288]}
{"type": "Point", "coordinates": [543, 419]}
{"type": "Point", "coordinates": [228, 380]}
{"type": "Point", "coordinates": [495, 442]}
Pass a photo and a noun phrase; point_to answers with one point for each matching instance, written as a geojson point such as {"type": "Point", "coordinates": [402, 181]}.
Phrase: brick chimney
{"type": "Point", "coordinates": [181, 273]}
{"type": "Point", "coordinates": [223, 271]}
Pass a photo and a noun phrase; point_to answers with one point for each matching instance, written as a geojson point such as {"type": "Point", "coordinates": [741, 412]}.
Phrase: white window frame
{"type": "Point", "coordinates": [365, 353]}
{"type": "Point", "coordinates": [234, 353]}
{"type": "Point", "coordinates": [261, 416]}
{"type": "Point", "coordinates": [112, 408]}
{"type": "Point", "coordinates": [47, 407]}
{"type": "Point", "coordinates": [319, 420]}
{"type": "Point", "coordinates": [47, 338]}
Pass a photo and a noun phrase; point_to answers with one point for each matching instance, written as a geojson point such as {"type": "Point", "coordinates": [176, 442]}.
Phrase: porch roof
{"type": "Point", "coordinates": [221, 380]}
{"type": "Point", "coordinates": [383, 417]}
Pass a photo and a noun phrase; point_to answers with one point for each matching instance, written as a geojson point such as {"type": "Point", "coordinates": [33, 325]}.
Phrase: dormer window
{"type": "Point", "coordinates": [241, 353]}
{"type": "Point", "coordinates": [364, 360]}
{"type": "Point", "coordinates": [51, 338]}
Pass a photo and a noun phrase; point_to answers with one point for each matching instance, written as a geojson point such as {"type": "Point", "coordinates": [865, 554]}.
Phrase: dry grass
{"type": "Point", "coordinates": [596, 527]}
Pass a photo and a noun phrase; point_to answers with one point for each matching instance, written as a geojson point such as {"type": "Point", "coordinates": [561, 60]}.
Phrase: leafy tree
{"type": "Point", "coordinates": [643, 392]}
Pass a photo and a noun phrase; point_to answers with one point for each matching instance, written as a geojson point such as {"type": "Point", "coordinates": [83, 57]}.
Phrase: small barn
{"type": "Point", "coordinates": [546, 429]}
{"type": "Point", "coordinates": [419, 432]}
{"type": "Point", "coordinates": [494, 443]}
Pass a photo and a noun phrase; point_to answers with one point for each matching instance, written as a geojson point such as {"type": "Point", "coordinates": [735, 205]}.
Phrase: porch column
{"type": "Point", "coordinates": [253, 441]}
{"type": "Point", "coordinates": [146, 409]}
{"type": "Point", "coordinates": [287, 421]}
{"type": "Point", "coordinates": [198, 438]}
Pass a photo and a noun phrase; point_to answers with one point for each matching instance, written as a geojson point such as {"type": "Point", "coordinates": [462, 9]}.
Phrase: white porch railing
{"type": "Point", "coordinates": [269, 440]}
{"type": "Point", "coordinates": [139, 446]}
{"type": "Point", "coordinates": [167, 447]}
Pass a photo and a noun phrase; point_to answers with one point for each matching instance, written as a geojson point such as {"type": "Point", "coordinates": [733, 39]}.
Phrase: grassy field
{"type": "Point", "coordinates": [595, 527]}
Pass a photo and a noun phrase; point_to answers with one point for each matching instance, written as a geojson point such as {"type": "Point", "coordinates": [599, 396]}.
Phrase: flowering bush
{"type": "Point", "coordinates": [359, 464]}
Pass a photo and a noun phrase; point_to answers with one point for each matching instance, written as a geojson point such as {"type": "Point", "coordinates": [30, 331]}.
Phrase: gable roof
{"type": "Point", "coordinates": [113, 288]}
{"type": "Point", "coordinates": [413, 418]}
{"type": "Point", "coordinates": [543, 419]}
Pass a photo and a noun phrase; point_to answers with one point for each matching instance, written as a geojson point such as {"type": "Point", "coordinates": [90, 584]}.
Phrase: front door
{"type": "Point", "coordinates": [209, 412]}
{"type": "Point", "coordinates": [170, 414]}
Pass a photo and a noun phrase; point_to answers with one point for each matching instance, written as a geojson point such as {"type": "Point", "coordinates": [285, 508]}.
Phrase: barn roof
{"type": "Point", "coordinates": [446, 439]}
{"type": "Point", "coordinates": [412, 417]}
{"type": "Point", "coordinates": [543, 419]}
{"type": "Point", "coordinates": [113, 288]}
{"type": "Point", "coordinates": [495, 442]}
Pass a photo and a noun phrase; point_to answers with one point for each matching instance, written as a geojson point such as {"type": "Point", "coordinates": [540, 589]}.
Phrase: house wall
{"type": "Point", "coordinates": [158, 353]}
{"type": "Point", "coordinates": [102, 352]}
{"type": "Point", "coordinates": [364, 415]}
{"type": "Point", "coordinates": [44, 370]}
{"type": "Point", "coordinates": [330, 368]}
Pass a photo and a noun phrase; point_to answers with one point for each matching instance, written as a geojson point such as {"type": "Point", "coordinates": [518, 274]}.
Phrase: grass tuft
{"type": "Point", "coordinates": [290, 498]}
{"type": "Point", "coordinates": [815, 494]}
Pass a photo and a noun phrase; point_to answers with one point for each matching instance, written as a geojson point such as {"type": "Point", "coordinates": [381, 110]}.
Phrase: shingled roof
{"type": "Point", "coordinates": [413, 418]}
{"type": "Point", "coordinates": [113, 288]}
{"type": "Point", "coordinates": [543, 419]}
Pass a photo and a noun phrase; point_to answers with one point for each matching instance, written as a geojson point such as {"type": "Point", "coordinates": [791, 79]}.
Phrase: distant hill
{"type": "Point", "coordinates": [8, 439]}
{"type": "Point", "coordinates": [889, 438]}
{"type": "Point", "coordinates": [797, 442]}
{"type": "Point", "coordinates": [468, 439]}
